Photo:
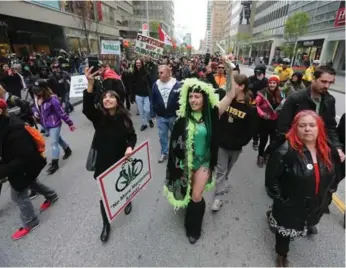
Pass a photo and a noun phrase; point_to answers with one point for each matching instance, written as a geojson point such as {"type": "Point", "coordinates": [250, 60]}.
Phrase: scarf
{"type": "Point", "coordinates": [179, 170]}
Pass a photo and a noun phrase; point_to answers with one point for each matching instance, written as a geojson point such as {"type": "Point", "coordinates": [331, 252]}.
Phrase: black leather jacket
{"type": "Point", "coordinates": [302, 101]}
{"type": "Point", "coordinates": [290, 181]}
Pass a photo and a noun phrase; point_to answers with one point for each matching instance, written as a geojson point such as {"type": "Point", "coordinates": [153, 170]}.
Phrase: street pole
{"type": "Point", "coordinates": [147, 5]}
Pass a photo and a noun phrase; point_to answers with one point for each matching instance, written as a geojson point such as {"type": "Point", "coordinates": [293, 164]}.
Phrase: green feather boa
{"type": "Point", "coordinates": [191, 129]}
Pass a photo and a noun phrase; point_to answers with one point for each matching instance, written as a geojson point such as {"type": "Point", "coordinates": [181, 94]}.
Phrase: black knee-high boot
{"type": "Point", "coordinates": [193, 220]}
{"type": "Point", "coordinates": [106, 226]}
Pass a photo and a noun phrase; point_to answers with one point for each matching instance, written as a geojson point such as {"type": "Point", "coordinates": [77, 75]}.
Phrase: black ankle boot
{"type": "Point", "coordinates": [193, 220]}
{"type": "Point", "coordinates": [106, 229]}
{"type": "Point", "coordinates": [67, 154]}
{"type": "Point", "coordinates": [53, 167]}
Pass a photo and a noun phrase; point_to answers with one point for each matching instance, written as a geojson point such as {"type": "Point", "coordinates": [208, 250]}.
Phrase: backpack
{"type": "Point", "coordinates": [37, 138]}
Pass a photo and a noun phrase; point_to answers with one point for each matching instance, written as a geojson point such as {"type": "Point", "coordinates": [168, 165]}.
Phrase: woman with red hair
{"type": "Point", "coordinates": [300, 177]}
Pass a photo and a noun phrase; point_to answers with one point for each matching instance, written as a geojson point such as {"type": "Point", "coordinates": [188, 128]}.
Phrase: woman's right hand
{"type": "Point", "coordinates": [91, 77]}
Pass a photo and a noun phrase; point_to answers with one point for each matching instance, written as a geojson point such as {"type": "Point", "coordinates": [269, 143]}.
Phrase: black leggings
{"type": "Point", "coordinates": [267, 129]}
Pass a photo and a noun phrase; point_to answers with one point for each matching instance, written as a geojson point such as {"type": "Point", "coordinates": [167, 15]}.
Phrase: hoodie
{"type": "Point", "coordinates": [165, 98]}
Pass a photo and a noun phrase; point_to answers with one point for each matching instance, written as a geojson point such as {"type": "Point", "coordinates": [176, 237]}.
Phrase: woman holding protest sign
{"type": "Point", "coordinates": [114, 136]}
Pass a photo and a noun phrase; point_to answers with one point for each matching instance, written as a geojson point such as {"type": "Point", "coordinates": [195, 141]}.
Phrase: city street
{"type": "Point", "coordinates": [153, 234]}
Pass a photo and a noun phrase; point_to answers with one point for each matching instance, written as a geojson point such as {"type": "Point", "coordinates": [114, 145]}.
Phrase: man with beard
{"type": "Point", "coordinates": [62, 82]}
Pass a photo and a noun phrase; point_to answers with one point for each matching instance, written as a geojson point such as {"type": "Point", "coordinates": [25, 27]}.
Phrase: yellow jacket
{"type": "Point", "coordinates": [283, 74]}
{"type": "Point", "coordinates": [308, 74]}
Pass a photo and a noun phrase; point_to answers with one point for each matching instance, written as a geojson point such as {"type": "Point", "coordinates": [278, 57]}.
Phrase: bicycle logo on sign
{"type": "Point", "coordinates": [130, 169]}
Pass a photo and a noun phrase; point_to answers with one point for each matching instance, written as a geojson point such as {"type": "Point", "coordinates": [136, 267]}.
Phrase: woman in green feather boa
{"type": "Point", "coordinates": [193, 151]}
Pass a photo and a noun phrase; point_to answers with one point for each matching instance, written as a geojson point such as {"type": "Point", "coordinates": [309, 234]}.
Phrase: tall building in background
{"type": "Point", "coordinates": [268, 28]}
{"type": "Point", "coordinates": [187, 39]}
{"type": "Point", "coordinates": [218, 17]}
{"type": "Point", "coordinates": [325, 37]}
{"type": "Point", "coordinates": [208, 38]}
{"type": "Point", "coordinates": [225, 43]}
{"type": "Point", "coordinates": [159, 11]}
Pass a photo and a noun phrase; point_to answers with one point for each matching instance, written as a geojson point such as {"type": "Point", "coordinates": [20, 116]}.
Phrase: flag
{"type": "Point", "coordinates": [165, 37]}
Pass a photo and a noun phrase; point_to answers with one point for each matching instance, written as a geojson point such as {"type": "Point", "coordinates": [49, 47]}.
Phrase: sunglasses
{"type": "Point", "coordinates": [160, 72]}
{"type": "Point", "coordinates": [221, 67]}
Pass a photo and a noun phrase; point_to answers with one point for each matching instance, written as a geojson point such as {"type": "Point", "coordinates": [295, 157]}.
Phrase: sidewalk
{"type": "Point", "coordinates": [339, 85]}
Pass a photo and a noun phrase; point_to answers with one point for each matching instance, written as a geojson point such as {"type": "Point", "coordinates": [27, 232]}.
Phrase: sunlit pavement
{"type": "Point", "coordinates": [153, 235]}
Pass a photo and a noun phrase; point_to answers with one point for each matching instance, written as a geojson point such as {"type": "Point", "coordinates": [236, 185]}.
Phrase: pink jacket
{"type": "Point", "coordinates": [264, 107]}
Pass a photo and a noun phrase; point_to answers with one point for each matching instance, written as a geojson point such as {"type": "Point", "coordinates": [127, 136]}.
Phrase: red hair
{"type": "Point", "coordinates": [322, 147]}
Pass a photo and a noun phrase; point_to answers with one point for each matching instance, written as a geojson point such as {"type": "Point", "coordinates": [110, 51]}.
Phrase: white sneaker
{"type": "Point", "coordinates": [217, 204]}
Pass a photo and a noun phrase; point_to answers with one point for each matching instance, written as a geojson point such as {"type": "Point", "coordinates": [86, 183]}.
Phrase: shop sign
{"type": "Point", "coordinates": [110, 47]}
{"type": "Point", "coordinates": [311, 43]}
{"type": "Point", "coordinates": [340, 18]}
{"type": "Point", "coordinates": [51, 4]}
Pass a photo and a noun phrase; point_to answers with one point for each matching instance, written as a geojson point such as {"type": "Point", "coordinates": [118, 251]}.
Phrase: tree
{"type": "Point", "coordinates": [154, 29]}
{"type": "Point", "coordinates": [296, 26]}
{"type": "Point", "coordinates": [86, 18]}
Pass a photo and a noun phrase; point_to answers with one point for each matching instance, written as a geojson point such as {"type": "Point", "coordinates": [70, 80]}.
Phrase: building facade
{"type": "Point", "coordinates": [28, 26]}
{"type": "Point", "coordinates": [218, 17]}
{"type": "Point", "coordinates": [268, 28]}
{"type": "Point", "coordinates": [208, 37]}
{"type": "Point", "coordinates": [325, 37]}
{"type": "Point", "coordinates": [158, 11]}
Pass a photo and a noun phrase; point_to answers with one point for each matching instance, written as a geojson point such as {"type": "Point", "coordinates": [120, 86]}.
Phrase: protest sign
{"type": "Point", "coordinates": [78, 84]}
{"type": "Point", "coordinates": [110, 47]}
{"type": "Point", "coordinates": [121, 182]}
{"type": "Point", "coordinates": [146, 45]}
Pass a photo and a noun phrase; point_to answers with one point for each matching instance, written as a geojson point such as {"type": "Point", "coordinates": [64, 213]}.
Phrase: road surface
{"type": "Point", "coordinates": [153, 235]}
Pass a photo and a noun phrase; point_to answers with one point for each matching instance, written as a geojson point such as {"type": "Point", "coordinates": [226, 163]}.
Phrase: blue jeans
{"type": "Point", "coordinates": [143, 104]}
{"type": "Point", "coordinates": [164, 125]}
{"type": "Point", "coordinates": [56, 140]}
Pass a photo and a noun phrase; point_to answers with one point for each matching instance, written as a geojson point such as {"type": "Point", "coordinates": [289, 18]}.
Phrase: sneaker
{"type": "Point", "coordinates": [151, 123]}
{"type": "Point", "coordinates": [48, 202]}
{"type": "Point", "coordinates": [162, 158]}
{"type": "Point", "coordinates": [33, 195]}
{"type": "Point", "coordinates": [21, 232]}
{"type": "Point", "coordinates": [255, 146]}
{"type": "Point", "coordinates": [217, 204]}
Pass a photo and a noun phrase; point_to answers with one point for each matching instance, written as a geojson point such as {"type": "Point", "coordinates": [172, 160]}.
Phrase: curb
{"type": "Point", "coordinates": [338, 203]}
{"type": "Point", "coordinates": [77, 103]}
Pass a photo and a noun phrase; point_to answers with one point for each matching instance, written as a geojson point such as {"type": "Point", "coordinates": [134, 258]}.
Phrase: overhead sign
{"type": "Point", "coordinates": [122, 182]}
{"type": "Point", "coordinates": [146, 45]}
{"type": "Point", "coordinates": [110, 47]}
{"type": "Point", "coordinates": [145, 29]}
{"type": "Point", "coordinates": [78, 84]}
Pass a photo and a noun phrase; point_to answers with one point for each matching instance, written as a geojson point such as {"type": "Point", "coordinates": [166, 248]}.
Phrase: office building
{"type": "Point", "coordinates": [218, 17]}
{"type": "Point", "coordinates": [208, 38]}
{"type": "Point", "coordinates": [28, 26]}
{"type": "Point", "coordinates": [158, 11]}
{"type": "Point", "coordinates": [325, 37]}
{"type": "Point", "coordinates": [268, 28]}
